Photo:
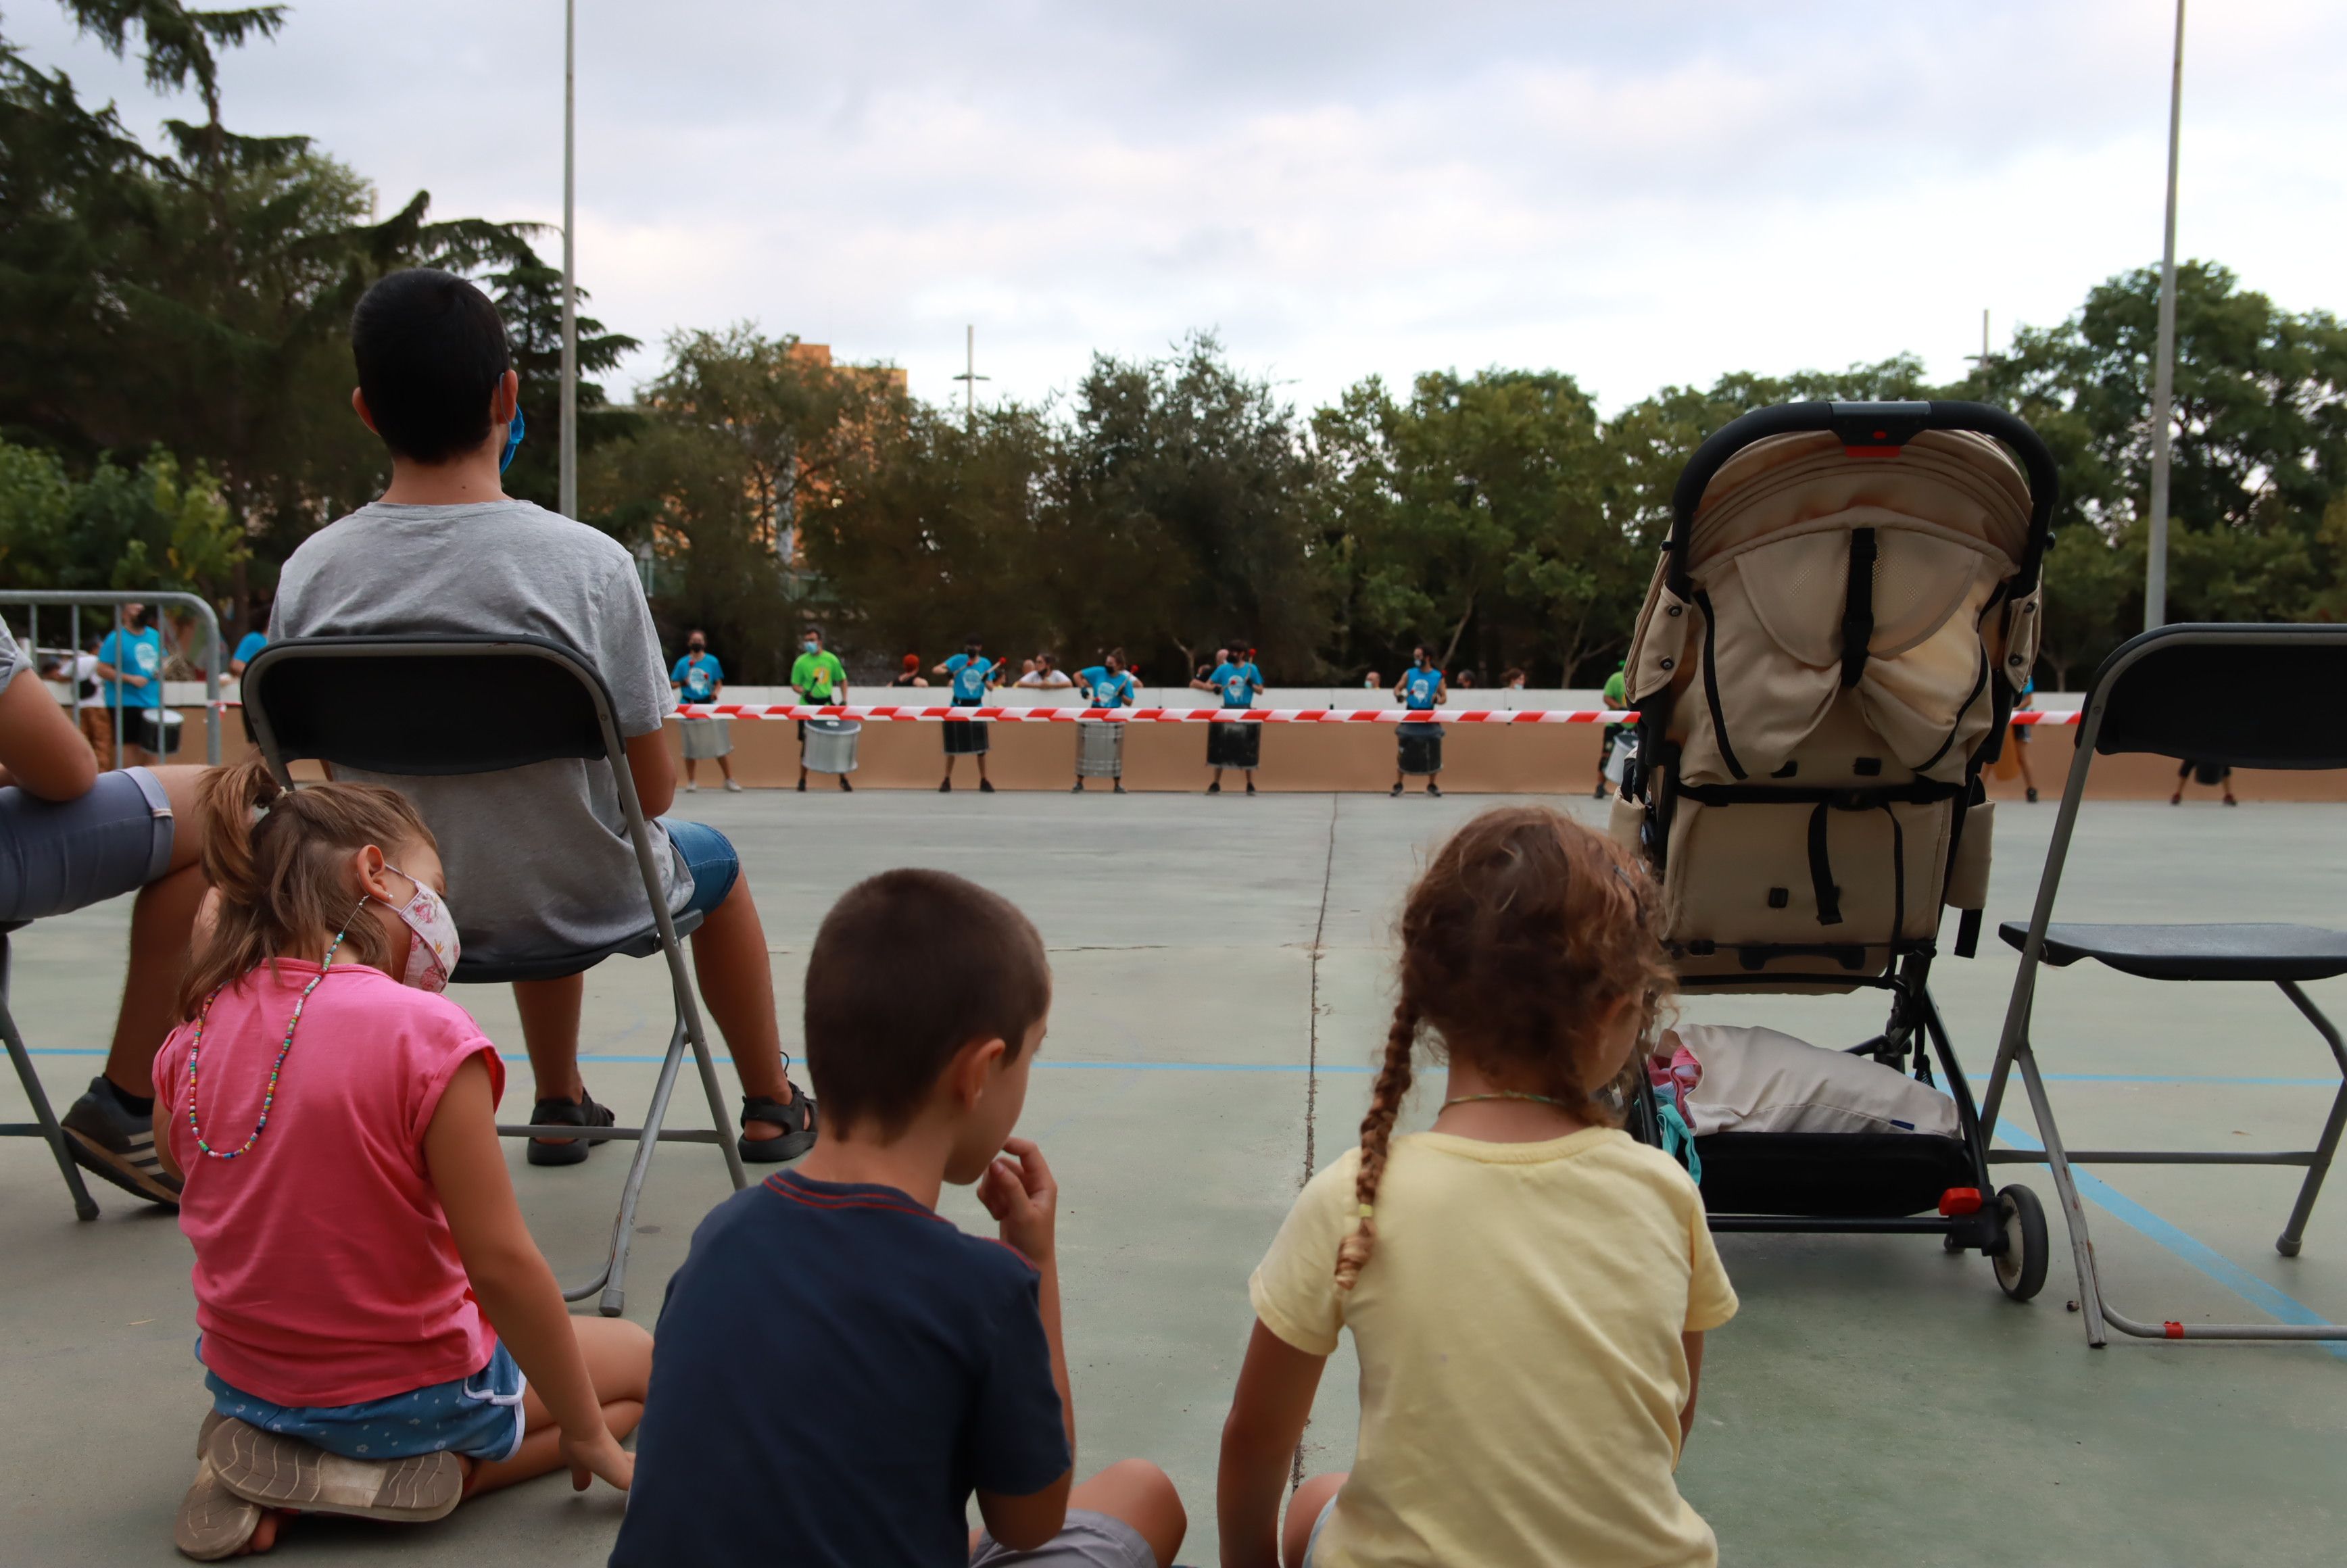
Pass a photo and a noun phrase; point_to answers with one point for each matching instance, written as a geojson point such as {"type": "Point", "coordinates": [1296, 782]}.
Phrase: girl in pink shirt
{"type": "Point", "coordinates": [380, 1336]}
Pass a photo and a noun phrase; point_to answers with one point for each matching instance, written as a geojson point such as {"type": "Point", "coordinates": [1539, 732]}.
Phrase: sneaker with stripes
{"type": "Point", "coordinates": [111, 1142]}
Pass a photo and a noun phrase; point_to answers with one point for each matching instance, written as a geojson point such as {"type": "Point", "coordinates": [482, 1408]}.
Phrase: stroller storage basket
{"type": "Point", "coordinates": [1842, 1175]}
{"type": "Point", "coordinates": [1828, 654]}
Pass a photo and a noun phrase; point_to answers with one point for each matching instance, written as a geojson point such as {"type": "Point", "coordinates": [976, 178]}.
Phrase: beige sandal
{"type": "Point", "coordinates": [213, 1522]}
{"type": "Point", "coordinates": [278, 1471]}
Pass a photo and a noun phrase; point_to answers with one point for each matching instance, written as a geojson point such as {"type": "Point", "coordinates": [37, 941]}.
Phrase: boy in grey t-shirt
{"type": "Point", "coordinates": [538, 860]}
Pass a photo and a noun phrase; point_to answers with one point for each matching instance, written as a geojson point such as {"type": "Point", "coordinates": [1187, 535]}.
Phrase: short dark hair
{"type": "Point", "coordinates": [430, 349]}
{"type": "Point", "coordinates": [877, 1036]}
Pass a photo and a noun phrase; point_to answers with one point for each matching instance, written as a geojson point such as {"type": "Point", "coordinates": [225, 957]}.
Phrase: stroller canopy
{"type": "Point", "coordinates": [1815, 565]}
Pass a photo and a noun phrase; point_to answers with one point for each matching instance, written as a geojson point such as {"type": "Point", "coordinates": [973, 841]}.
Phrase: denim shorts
{"type": "Point", "coordinates": [479, 1416]}
{"type": "Point", "coordinates": [60, 855]}
{"type": "Point", "coordinates": [710, 857]}
{"type": "Point", "coordinates": [1087, 1540]}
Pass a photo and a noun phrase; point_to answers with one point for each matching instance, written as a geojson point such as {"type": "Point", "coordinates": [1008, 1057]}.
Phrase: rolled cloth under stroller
{"type": "Point", "coordinates": [1827, 658]}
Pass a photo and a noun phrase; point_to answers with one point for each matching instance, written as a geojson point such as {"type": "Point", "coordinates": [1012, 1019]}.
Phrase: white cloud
{"type": "Point", "coordinates": [1635, 194]}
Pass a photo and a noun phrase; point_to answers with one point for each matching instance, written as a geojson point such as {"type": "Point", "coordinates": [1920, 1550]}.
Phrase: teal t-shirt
{"type": "Point", "coordinates": [969, 673]}
{"type": "Point", "coordinates": [1239, 683]}
{"type": "Point", "coordinates": [698, 678]}
{"type": "Point", "coordinates": [1419, 688]}
{"type": "Point", "coordinates": [134, 654]}
{"type": "Point", "coordinates": [1108, 691]}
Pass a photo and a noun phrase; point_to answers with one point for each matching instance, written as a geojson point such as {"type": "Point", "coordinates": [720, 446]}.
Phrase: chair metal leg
{"type": "Point", "coordinates": [611, 1285]}
{"type": "Point", "coordinates": [2294, 1232]}
{"type": "Point", "coordinates": [2099, 1314]}
{"type": "Point", "coordinates": [2066, 1190]}
{"type": "Point", "coordinates": [44, 1120]}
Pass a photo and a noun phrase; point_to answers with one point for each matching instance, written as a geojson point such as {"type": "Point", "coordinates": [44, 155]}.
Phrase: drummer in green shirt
{"type": "Point", "coordinates": [819, 679]}
{"type": "Point", "coordinates": [1616, 694]}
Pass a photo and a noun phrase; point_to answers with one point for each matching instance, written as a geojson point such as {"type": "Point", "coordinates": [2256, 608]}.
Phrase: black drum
{"type": "Point", "coordinates": [965, 737]}
{"type": "Point", "coordinates": [1234, 745]}
{"type": "Point", "coordinates": [1420, 746]}
{"type": "Point", "coordinates": [155, 729]}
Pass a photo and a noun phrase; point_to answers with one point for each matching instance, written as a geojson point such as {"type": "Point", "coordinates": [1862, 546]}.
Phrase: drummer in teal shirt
{"type": "Point", "coordinates": [973, 672]}
{"type": "Point", "coordinates": [130, 664]}
{"type": "Point", "coordinates": [1108, 684]}
{"type": "Point", "coordinates": [1227, 744]}
{"type": "Point", "coordinates": [1420, 690]}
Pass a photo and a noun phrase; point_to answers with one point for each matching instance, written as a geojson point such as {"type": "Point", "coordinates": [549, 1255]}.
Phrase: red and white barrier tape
{"type": "Point", "coordinates": [893, 712]}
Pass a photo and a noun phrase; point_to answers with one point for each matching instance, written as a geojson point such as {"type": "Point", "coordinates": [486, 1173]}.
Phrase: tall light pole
{"type": "Point", "coordinates": [969, 378]}
{"type": "Point", "coordinates": [566, 498]}
{"type": "Point", "coordinates": [2163, 375]}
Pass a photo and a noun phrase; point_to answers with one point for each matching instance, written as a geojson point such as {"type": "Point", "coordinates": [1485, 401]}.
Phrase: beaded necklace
{"type": "Point", "coordinates": [268, 1095]}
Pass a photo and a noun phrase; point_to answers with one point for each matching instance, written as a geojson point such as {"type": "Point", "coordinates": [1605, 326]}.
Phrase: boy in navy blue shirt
{"type": "Point", "coordinates": [908, 1364]}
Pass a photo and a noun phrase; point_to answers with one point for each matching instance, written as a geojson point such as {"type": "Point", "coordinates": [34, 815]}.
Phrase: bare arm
{"type": "Point", "coordinates": [1274, 1399]}
{"type": "Point", "coordinates": [41, 752]}
{"type": "Point", "coordinates": [1693, 1346]}
{"type": "Point", "coordinates": [509, 1276]}
{"type": "Point", "coordinates": [1020, 1191]}
{"type": "Point", "coordinates": [655, 774]}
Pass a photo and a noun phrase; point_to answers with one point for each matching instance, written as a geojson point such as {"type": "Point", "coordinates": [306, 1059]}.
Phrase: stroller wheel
{"type": "Point", "coordinates": [2021, 1266]}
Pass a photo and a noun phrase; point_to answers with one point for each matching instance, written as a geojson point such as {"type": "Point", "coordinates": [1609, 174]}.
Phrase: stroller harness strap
{"type": "Point", "coordinates": [1858, 607]}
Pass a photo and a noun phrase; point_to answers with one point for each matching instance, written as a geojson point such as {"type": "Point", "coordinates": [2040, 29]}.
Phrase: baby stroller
{"type": "Point", "coordinates": [1827, 658]}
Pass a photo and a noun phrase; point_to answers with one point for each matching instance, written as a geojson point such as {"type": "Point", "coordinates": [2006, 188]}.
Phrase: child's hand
{"type": "Point", "coordinates": [594, 1454]}
{"type": "Point", "coordinates": [1018, 1189]}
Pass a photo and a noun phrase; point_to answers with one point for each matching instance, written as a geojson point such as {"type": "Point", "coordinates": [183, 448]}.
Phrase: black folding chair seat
{"type": "Point", "coordinates": [2228, 952]}
{"type": "Point", "coordinates": [644, 944]}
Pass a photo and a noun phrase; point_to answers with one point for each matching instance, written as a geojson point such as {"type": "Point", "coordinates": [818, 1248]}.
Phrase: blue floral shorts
{"type": "Point", "coordinates": [479, 1416]}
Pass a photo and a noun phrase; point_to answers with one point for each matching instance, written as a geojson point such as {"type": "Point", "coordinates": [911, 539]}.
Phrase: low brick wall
{"type": "Point", "coordinates": [1477, 759]}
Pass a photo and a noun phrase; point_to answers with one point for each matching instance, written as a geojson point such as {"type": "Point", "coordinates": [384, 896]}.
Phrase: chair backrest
{"type": "Point", "coordinates": [2246, 696]}
{"type": "Point", "coordinates": [426, 705]}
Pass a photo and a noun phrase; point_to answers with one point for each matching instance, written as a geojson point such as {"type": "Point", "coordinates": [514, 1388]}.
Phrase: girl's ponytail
{"type": "Point", "coordinates": [1377, 1135]}
{"type": "Point", "coordinates": [279, 861]}
{"type": "Point", "coordinates": [227, 797]}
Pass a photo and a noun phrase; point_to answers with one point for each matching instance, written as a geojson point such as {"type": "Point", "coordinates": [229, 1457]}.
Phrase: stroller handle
{"type": "Point", "coordinates": [1869, 429]}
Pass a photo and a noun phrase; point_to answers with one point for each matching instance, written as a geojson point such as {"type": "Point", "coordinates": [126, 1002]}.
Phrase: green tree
{"type": "Point", "coordinates": [1474, 518]}
{"type": "Point", "coordinates": [948, 526]}
{"type": "Point", "coordinates": [2258, 454]}
{"type": "Point", "coordinates": [1186, 479]}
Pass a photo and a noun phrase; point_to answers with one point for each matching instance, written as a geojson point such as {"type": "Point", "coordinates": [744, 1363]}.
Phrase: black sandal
{"type": "Point", "coordinates": [581, 1112]}
{"type": "Point", "coordinates": [797, 1117]}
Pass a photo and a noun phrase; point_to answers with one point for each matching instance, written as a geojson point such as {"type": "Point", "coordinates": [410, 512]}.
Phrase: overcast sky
{"type": "Point", "coordinates": [1639, 194]}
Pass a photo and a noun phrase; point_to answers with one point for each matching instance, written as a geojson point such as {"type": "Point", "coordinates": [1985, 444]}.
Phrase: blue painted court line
{"type": "Point", "coordinates": [2266, 1297]}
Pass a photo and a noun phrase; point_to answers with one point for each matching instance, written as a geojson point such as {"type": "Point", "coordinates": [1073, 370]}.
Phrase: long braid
{"type": "Point", "coordinates": [1376, 1137]}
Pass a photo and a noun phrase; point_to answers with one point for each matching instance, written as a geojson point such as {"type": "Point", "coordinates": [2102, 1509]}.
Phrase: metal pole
{"type": "Point", "coordinates": [969, 378]}
{"type": "Point", "coordinates": [566, 499]}
{"type": "Point", "coordinates": [2163, 376]}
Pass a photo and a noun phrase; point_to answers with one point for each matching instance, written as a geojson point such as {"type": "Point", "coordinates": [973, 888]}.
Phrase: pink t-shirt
{"type": "Point", "coordinates": [325, 1271]}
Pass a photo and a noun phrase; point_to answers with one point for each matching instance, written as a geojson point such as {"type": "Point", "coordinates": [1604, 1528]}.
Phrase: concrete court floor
{"type": "Point", "coordinates": [1875, 1402]}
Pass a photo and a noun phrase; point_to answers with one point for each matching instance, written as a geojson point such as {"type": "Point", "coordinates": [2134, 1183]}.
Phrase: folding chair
{"type": "Point", "coordinates": [44, 1120]}
{"type": "Point", "coordinates": [2248, 696]}
{"type": "Point", "coordinates": [392, 705]}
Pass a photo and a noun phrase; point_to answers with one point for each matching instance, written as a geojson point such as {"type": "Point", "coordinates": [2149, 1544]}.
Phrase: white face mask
{"type": "Point", "coordinates": [432, 944]}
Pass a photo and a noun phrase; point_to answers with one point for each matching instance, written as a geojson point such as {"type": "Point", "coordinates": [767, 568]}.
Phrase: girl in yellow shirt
{"type": "Point", "coordinates": [1527, 1287]}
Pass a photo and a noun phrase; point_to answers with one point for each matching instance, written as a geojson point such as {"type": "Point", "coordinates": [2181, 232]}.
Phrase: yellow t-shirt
{"type": "Point", "coordinates": [1517, 1329]}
